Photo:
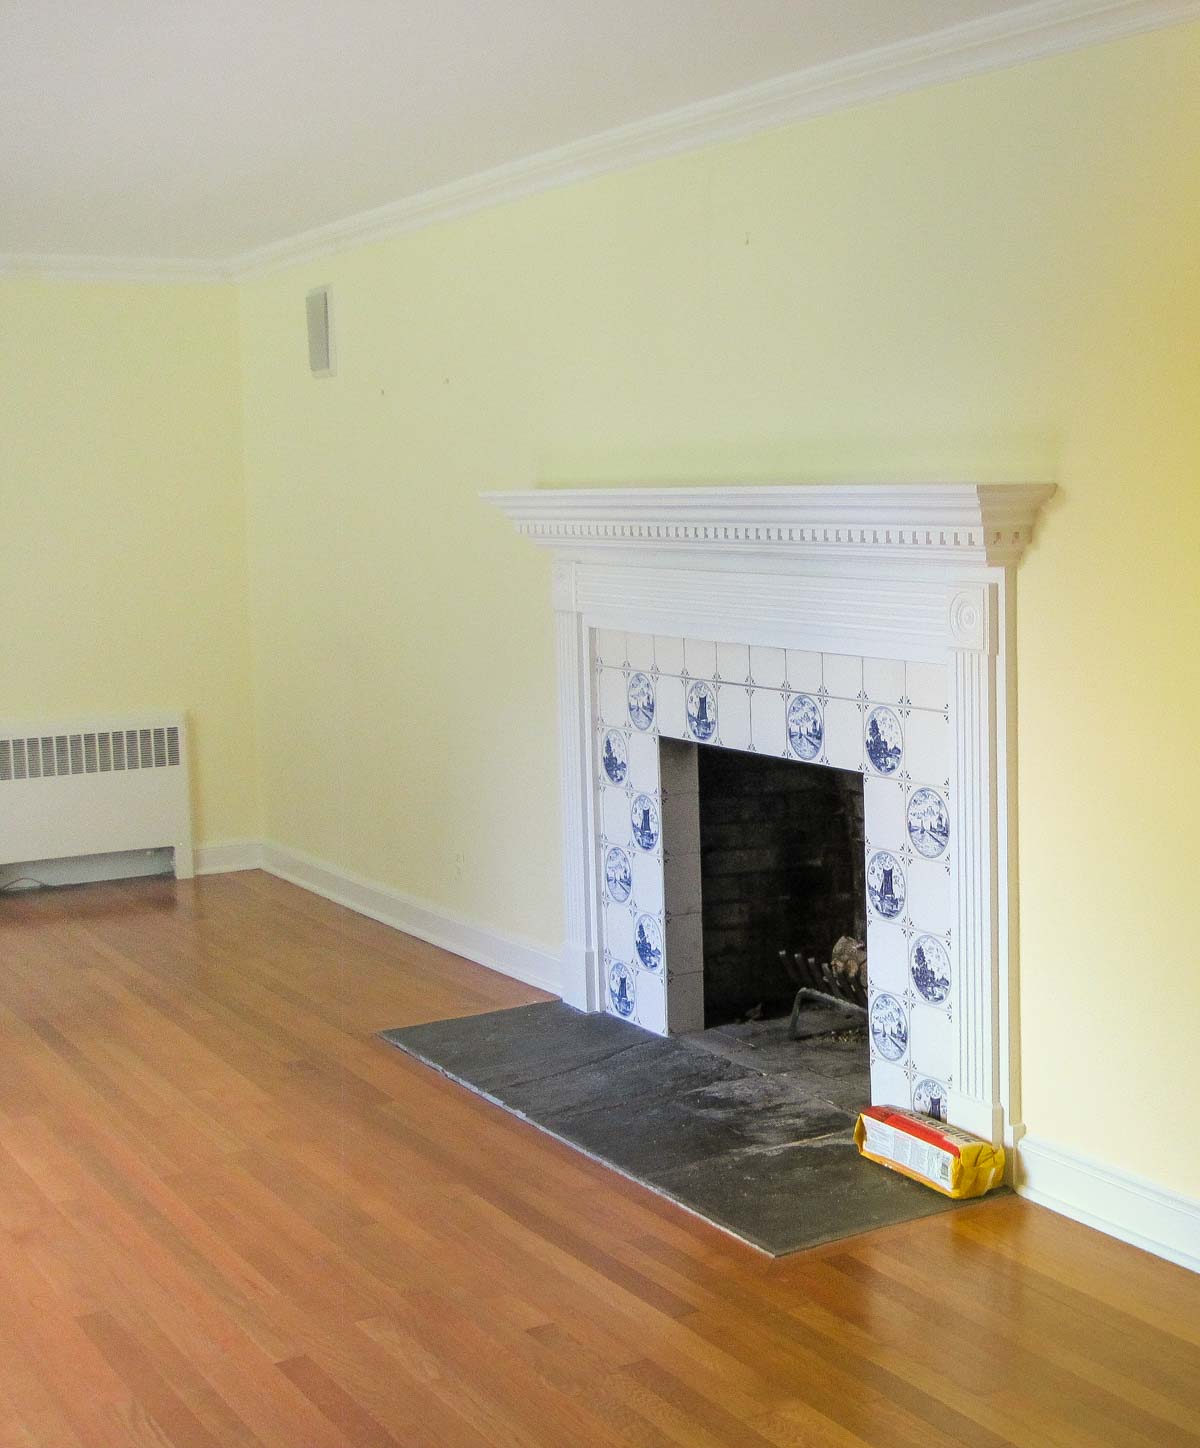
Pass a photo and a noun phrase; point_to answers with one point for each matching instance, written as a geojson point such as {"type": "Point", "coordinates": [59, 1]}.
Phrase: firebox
{"type": "Point", "coordinates": [782, 877]}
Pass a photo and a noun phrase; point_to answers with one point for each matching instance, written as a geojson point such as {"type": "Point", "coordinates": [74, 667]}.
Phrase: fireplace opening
{"type": "Point", "coordinates": [779, 870]}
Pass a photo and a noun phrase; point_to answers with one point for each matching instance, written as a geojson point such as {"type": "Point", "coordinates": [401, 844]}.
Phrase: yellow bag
{"type": "Point", "coordinates": [941, 1157]}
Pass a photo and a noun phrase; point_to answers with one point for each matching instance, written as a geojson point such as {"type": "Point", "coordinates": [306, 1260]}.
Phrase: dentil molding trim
{"type": "Point", "coordinates": [1043, 28]}
{"type": "Point", "coordinates": [989, 523]}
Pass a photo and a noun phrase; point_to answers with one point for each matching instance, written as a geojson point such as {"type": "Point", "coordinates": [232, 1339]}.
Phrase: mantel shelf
{"type": "Point", "coordinates": [990, 523]}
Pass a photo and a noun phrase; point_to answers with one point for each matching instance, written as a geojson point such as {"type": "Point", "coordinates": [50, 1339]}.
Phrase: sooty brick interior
{"type": "Point", "coordinates": [782, 869]}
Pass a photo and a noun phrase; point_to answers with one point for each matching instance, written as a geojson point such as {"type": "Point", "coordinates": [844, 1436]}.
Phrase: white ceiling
{"type": "Point", "coordinates": [208, 128]}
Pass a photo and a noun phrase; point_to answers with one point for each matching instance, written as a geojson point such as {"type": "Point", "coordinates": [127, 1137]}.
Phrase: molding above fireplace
{"type": "Point", "coordinates": [989, 523]}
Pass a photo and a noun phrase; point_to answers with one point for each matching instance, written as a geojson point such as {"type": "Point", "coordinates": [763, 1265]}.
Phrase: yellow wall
{"type": "Point", "coordinates": [994, 279]}
{"type": "Point", "coordinates": [122, 528]}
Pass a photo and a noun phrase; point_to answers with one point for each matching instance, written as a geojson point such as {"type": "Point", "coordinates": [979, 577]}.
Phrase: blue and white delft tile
{"type": "Point", "coordinates": [733, 712]}
{"type": "Point", "coordinates": [702, 711]}
{"type": "Point", "coordinates": [618, 874]}
{"type": "Point", "coordinates": [610, 648]}
{"type": "Point", "coordinates": [699, 658]}
{"type": "Point", "coordinates": [768, 722]}
{"type": "Point", "coordinates": [889, 1083]}
{"type": "Point", "coordinates": [644, 822]}
{"type": "Point", "coordinates": [670, 692]}
{"type": "Point", "coordinates": [640, 699]}
{"type": "Point", "coordinates": [843, 733]}
{"type": "Point", "coordinates": [733, 663]}
{"type": "Point", "coordinates": [884, 739]}
{"type": "Point", "coordinates": [618, 931]}
{"type": "Point", "coordinates": [889, 1026]}
{"type": "Point", "coordinates": [883, 813]}
{"type": "Point", "coordinates": [652, 993]}
{"type": "Point", "coordinates": [887, 888]}
{"type": "Point", "coordinates": [843, 675]}
{"type": "Point", "coordinates": [622, 989]}
{"type": "Point", "coordinates": [806, 726]}
{"type": "Point", "coordinates": [804, 675]}
{"type": "Point", "coordinates": [648, 942]}
{"type": "Point", "coordinates": [927, 686]}
{"type": "Point", "coordinates": [883, 680]}
{"type": "Point", "coordinates": [647, 882]}
{"type": "Point", "coordinates": [927, 746]}
{"type": "Point", "coordinates": [930, 1097]}
{"type": "Point", "coordinates": [929, 968]}
{"type": "Point", "coordinates": [930, 896]}
{"type": "Point", "coordinates": [768, 667]}
{"type": "Point", "coordinates": [928, 822]}
{"type": "Point", "coordinates": [643, 762]}
{"type": "Point", "coordinates": [668, 655]}
{"type": "Point", "coordinates": [614, 815]}
{"type": "Point", "coordinates": [887, 956]}
{"type": "Point", "coordinates": [639, 651]}
{"type": "Point", "coordinates": [933, 1041]}
{"type": "Point", "coordinates": [614, 756]}
{"type": "Point", "coordinates": [610, 698]}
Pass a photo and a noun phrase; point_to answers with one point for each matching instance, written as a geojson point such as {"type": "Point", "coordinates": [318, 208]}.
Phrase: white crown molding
{"type": "Point", "coordinates": [148, 270]}
{"type": "Point", "coordinates": [1046, 27]}
{"type": "Point", "coordinates": [1043, 28]}
{"type": "Point", "coordinates": [958, 522]}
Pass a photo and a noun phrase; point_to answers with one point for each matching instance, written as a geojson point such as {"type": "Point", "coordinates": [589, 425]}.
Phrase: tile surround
{"type": "Point", "coordinates": [742, 697]}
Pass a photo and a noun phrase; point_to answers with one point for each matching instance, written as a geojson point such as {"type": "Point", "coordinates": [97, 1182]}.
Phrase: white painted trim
{"type": "Point", "coordinates": [520, 959]}
{"type": "Point", "coordinates": [1114, 1202]}
{"type": "Point", "coordinates": [939, 523]}
{"type": "Point", "coordinates": [147, 270]}
{"type": "Point", "coordinates": [227, 856]}
{"type": "Point", "coordinates": [1046, 27]}
{"type": "Point", "coordinates": [1014, 37]}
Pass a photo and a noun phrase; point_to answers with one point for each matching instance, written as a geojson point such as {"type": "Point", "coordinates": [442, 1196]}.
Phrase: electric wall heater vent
{"type": "Point", "coordinates": [93, 787]}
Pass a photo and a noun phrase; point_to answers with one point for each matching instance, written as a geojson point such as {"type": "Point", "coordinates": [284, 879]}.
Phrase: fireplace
{"type": "Point", "coordinates": [782, 875]}
{"type": "Point", "coordinates": [845, 630]}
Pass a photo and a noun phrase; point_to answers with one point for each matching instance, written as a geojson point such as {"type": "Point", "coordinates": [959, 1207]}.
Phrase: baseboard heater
{"type": "Point", "coordinates": [86, 787]}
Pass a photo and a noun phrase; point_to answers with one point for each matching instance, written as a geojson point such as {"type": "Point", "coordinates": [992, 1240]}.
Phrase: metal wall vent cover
{"type": "Point", "coordinates": [50, 756]}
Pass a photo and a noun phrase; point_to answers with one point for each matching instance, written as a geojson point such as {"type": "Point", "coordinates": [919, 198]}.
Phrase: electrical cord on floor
{"type": "Point", "coordinates": [24, 881]}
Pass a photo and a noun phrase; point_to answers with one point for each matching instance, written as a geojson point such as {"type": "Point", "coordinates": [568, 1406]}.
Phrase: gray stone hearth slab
{"type": "Point", "coordinates": [739, 1125]}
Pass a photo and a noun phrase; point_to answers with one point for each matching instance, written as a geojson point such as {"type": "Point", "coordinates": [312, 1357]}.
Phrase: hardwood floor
{"type": "Point", "coordinates": [230, 1216]}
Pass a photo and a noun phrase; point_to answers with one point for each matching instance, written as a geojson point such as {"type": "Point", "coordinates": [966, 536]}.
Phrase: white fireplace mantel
{"type": "Point", "coordinates": [873, 576]}
{"type": "Point", "coordinates": [909, 524]}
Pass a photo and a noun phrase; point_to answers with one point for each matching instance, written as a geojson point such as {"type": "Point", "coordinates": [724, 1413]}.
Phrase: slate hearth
{"type": "Point", "coordinates": [739, 1125]}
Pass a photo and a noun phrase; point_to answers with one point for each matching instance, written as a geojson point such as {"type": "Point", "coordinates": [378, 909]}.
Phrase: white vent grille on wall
{"type": "Point", "coordinates": [320, 332]}
{"type": "Point", "coordinates": [91, 787]}
{"type": "Point", "coordinates": [49, 756]}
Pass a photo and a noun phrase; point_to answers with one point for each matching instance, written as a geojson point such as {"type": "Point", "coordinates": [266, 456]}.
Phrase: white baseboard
{"type": "Point", "coordinates": [1115, 1202]}
{"type": "Point", "coordinates": [517, 958]}
{"type": "Point", "coordinates": [230, 855]}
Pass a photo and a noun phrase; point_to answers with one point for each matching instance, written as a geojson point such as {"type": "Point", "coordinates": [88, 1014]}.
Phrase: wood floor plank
{"type": "Point", "coordinates": [230, 1215]}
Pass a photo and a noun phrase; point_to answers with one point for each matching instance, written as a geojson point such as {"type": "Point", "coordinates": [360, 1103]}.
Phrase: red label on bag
{"type": "Point", "coordinates": [912, 1124]}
